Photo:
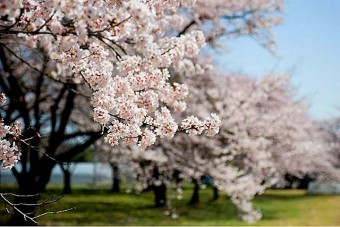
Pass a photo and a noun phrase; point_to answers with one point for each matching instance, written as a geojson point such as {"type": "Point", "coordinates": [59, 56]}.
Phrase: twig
{"type": "Point", "coordinates": [44, 153]}
{"type": "Point", "coordinates": [45, 202]}
{"type": "Point", "coordinates": [17, 209]}
{"type": "Point", "coordinates": [16, 195]}
{"type": "Point", "coordinates": [48, 20]}
{"type": "Point", "coordinates": [25, 215]}
{"type": "Point", "coordinates": [54, 212]}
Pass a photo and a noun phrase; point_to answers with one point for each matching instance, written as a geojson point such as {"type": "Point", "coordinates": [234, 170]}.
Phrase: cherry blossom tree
{"type": "Point", "coordinates": [124, 56]}
{"type": "Point", "coordinates": [265, 134]}
{"type": "Point", "coordinates": [330, 130]}
{"type": "Point", "coordinates": [131, 40]}
{"type": "Point", "coordinates": [115, 48]}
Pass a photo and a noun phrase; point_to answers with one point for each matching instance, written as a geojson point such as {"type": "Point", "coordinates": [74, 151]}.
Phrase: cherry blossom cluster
{"type": "Point", "coordinates": [9, 152]}
{"type": "Point", "coordinates": [125, 50]}
{"type": "Point", "coordinates": [10, 8]}
{"type": "Point", "coordinates": [193, 126]}
{"type": "Point", "coordinates": [120, 50]}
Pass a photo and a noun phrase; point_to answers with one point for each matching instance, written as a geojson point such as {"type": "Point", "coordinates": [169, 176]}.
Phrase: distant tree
{"type": "Point", "coordinates": [67, 170]}
{"type": "Point", "coordinates": [112, 156]}
{"type": "Point", "coordinates": [331, 134]}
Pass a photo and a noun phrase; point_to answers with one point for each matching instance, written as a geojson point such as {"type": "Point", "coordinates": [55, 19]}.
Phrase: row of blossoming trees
{"type": "Point", "coordinates": [73, 72]}
{"type": "Point", "coordinates": [265, 135]}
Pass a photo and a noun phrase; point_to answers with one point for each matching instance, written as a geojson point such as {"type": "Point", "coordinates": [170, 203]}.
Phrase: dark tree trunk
{"type": "Point", "coordinates": [215, 190]}
{"type": "Point", "coordinates": [66, 169]}
{"type": "Point", "coordinates": [160, 195]}
{"type": "Point", "coordinates": [67, 183]}
{"type": "Point", "coordinates": [115, 178]}
{"type": "Point", "coordinates": [25, 188]}
{"type": "Point", "coordinates": [195, 196]}
{"type": "Point", "coordinates": [159, 190]}
{"type": "Point", "coordinates": [30, 183]}
{"type": "Point", "coordinates": [176, 177]}
{"type": "Point", "coordinates": [17, 219]}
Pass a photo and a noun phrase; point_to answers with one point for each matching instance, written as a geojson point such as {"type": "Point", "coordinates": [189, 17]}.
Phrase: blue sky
{"type": "Point", "coordinates": [308, 45]}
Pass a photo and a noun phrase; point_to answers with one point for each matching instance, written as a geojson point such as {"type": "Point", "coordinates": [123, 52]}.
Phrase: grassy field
{"type": "Point", "coordinates": [99, 207]}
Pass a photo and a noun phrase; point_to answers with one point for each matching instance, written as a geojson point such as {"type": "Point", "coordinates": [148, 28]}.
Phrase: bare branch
{"type": "Point", "coordinates": [25, 215]}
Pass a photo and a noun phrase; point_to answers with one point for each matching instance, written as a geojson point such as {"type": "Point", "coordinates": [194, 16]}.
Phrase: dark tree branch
{"type": "Point", "coordinates": [65, 116]}
{"type": "Point", "coordinates": [54, 109]}
{"type": "Point", "coordinates": [186, 28]}
{"type": "Point", "coordinates": [78, 148]}
{"type": "Point", "coordinates": [79, 134]}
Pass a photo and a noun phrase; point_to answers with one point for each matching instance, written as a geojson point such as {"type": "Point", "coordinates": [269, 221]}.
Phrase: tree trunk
{"type": "Point", "coordinates": [159, 190]}
{"type": "Point", "coordinates": [176, 177]}
{"type": "Point", "coordinates": [160, 195]}
{"type": "Point", "coordinates": [30, 183]}
{"type": "Point", "coordinates": [67, 183]}
{"type": "Point", "coordinates": [195, 196]}
{"type": "Point", "coordinates": [215, 190]}
{"type": "Point", "coordinates": [115, 178]}
{"type": "Point", "coordinates": [66, 169]}
{"type": "Point", "coordinates": [25, 188]}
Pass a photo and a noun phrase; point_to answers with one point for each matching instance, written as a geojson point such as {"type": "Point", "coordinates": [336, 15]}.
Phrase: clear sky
{"type": "Point", "coordinates": [308, 45]}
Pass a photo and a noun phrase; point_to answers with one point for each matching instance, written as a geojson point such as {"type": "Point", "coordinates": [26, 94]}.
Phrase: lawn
{"type": "Point", "coordinates": [99, 207]}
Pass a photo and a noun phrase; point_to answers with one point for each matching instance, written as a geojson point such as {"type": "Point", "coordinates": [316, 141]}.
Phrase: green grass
{"type": "Point", "coordinates": [279, 207]}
